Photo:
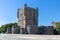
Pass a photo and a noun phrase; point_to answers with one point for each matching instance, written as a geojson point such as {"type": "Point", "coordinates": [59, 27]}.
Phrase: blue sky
{"type": "Point", "coordinates": [49, 10]}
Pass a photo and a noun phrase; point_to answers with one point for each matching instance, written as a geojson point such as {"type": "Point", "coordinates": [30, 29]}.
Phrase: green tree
{"type": "Point", "coordinates": [4, 27]}
{"type": "Point", "coordinates": [58, 27]}
{"type": "Point", "coordinates": [55, 32]}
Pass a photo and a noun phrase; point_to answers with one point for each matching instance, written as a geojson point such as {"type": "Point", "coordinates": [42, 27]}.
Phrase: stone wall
{"type": "Point", "coordinates": [13, 30]}
{"type": "Point", "coordinates": [28, 16]}
{"type": "Point", "coordinates": [46, 30]}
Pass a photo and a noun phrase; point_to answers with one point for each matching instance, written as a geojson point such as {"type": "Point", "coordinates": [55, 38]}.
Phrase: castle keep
{"type": "Point", "coordinates": [28, 23]}
{"type": "Point", "coordinates": [28, 19]}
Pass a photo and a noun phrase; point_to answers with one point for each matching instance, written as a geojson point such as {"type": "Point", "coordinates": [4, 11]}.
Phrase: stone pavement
{"type": "Point", "coordinates": [28, 37]}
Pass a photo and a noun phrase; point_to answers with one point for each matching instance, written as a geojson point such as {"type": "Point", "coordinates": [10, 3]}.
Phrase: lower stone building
{"type": "Point", "coordinates": [31, 29]}
{"type": "Point", "coordinates": [9, 30]}
{"type": "Point", "coordinates": [13, 30]}
{"type": "Point", "coordinates": [45, 30]}
{"type": "Point", "coordinates": [48, 30]}
{"type": "Point", "coordinates": [41, 30]}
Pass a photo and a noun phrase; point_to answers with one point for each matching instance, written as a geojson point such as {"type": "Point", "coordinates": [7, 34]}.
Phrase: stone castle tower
{"type": "Point", "coordinates": [28, 19]}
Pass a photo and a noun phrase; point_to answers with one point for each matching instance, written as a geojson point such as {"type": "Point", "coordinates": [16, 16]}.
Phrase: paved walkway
{"type": "Point", "coordinates": [28, 37]}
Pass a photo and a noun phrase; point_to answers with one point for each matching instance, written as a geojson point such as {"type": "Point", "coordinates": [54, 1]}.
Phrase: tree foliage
{"type": "Point", "coordinates": [4, 27]}
{"type": "Point", "coordinates": [58, 27]}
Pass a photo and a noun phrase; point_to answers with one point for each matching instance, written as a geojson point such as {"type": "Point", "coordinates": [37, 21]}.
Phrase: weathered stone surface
{"type": "Point", "coordinates": [45, 30]}
{"type": "Point", "coordinates": [13, 30]}
{"type": "Point", "coordinates": [9, 30]}
{"type": "Point", "coordinates": [28, 16]}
